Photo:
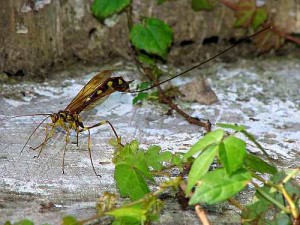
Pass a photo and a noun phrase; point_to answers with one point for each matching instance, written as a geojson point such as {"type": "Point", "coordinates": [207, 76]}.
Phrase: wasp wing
{"type": "Point", "coordinates": [76, 104]}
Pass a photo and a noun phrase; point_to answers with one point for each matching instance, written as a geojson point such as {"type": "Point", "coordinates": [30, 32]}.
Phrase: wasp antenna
{"type": "Point", "coordinates": [206, 61]}
{"type": "Point", "coordinates": [34, 132]}
{"type": "Point", "coordinates": [37, 114]}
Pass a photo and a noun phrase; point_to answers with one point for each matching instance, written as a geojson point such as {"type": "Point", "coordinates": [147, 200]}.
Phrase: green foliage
{"type": "Point", "coordinates": [217, 186]}
{"type": "Point", "coordinates": [22, 222]}
{"type": "Point", "coordinates": [232, 153]}
{"type": "Point", "coordinates": [152, 36]}
{"type": "Point", "coordinates": [213, 137]}
{"type": "Point", "coordinates": [105, 8]}
{"type": "Point", "coordinates": [143, 96]}
{"type": "Point", "coordinates": [134, 166]}
{"type": "Point", "coordinates": [269, 203]}
{"type": "Point", "coordinates": [138, 213]}
{"type": "Point", "coordinates": [70, 220]}
{"type": "Point", "coordinates": [257, 164]}
{"type": "Point", "coordinates": [248, 14]}
{"type": "Point", "coordinates": [198, 5]}
{"type": "Point", "coordinates": [201, 166]}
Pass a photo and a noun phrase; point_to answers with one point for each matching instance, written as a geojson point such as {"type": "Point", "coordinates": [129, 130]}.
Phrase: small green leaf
{"type": "Point", "coordinates": [24, 222]}
{"type": "Point", "coordinates": [140, 98]}
{"type": "Point", "coordinates": [213, 137]}
{"type": "Point", "coordinates": [70, 220]}
{"type": "Point", "coordinates": [176, 160]}
{"type": "Point", "coordinates": [255, 213]}
{"type": "Point", "coordinates": [232, 153]}
{"type": "Point", "coordinates": [217, 186]}
{"type": "Point", "coordinates": [166, 156]}
{"type": "Point", "coordinates": [152, 157]}
{"type": "Point", "coordinates": [198, 5]}
{"type": "Point", "coordinates": [126, 221]}
{"type": "Point", "coordinates": [159, 2]}
{"type": "Point", "coordinates": [201, 166]}
{"type": "Point", "coordinates": [152, 36]}
{"type": "Point", "coordinates": [105, 8]}
{"type": "Point", "coordinates": [132, 212]}
{"type": "Point", "coordinates": [143, 58]}
{"type": "Point", "coordinates": [257, 164]}
{"type": "Point", "coordinates": [281, 219]}
{"type": "Point", "coordinates": [231, 126]}
{"type": "Point", "coordinates": [244, 13]}
{"type": "Point", "coordinates": [130, 182]}
{"type": "Point", "coordinates": [260, 17]}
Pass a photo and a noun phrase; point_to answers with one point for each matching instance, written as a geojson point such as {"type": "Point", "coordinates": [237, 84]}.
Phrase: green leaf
{"type": "Point", "coordinates": [244, 13]}
{"type": "Point", "coordinates": [257, 164]}
{"type": "Point", "coordinates": [176, 160]}
{"type": "Point", "coordinates": [213, 137]}
{"type": "Point", "coordinates": [260, 17]}
{"type": "Point", "coordinates": [231, 126]}
{"type": "Point", "coordinates": [217, 186]}
{"type": "Point", "coordinates": [70, 220]}
{"type": "Point", "coordinates": [281, 219]}
{"type": "Point", "coordinates": [198, 5]}
{"type": "Point", "coordinates": [105, 8]}
{"type": "Point", "coordinates": [132, 212]}
{"type": "Point", "coordinates": [232, 153]}
{"type": "Point", "coordinates": [152, 157]}
{"type": "Point", "coordinates": [255, 213]}
{"type": "Point", "coordinates": [140, 98]}
{"type": "Point", "coordinates": [159, 2]}
{"type": "Point", "coordinates": [126, 221]}
{"type": "Point", "coordinates": [166, 156]}
{"type": "Point", "coordinates": [201, 166]}
{"type": "Point", "coordinates": [152, 36]}
{"type": "Point", "coordinates": [24, 222]}
{"type": "Point", "coordinates": [143, 58]}
{"type": "Point", "coordinates": [130, 182]}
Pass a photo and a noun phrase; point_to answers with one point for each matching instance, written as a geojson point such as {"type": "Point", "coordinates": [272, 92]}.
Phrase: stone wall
{"type": "Point", "coordinates": [38, 36]}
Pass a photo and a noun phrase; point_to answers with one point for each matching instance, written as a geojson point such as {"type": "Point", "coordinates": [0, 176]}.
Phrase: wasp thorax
{"type": "Point", "coordinates": [120, 84]}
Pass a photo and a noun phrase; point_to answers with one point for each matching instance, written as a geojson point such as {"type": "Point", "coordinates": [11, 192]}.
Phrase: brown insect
{"type": "Point", "coordinates": [93, 93]}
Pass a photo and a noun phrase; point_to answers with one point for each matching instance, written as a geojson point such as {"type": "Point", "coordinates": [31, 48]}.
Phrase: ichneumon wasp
{"type": "Point", "coordinates": [93, 93]}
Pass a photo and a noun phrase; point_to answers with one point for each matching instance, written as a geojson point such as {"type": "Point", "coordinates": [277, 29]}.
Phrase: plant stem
{"type": "Point", "coordinates": [251, 138]}
{"type": "Point", "coordinates": [236, 203]}
{"type": "Point", "coordinates": [293, 207]}
{"type": "Point", "coordinates": [201, 215]}
{"type": "Point", "coordinates": [164, 99]}
{"type": "Point", "coordinates": [271, 199]}
{"type": "Point", "coordinates": [291, 175]}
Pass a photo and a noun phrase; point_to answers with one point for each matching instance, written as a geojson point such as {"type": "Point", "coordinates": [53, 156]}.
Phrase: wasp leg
{"type": "Point", "coordinates": [89, 138]}
{"type": "Point", "coordinates": [90, 153]}
{"type": "Point", "coordinates": [77, 133]}
{"type": "Point", "coordinates": [48, 136]}
{"type": "Point", "coordinates": [65, 149]}
{"type": "Point", "coordinates": [101, 123]}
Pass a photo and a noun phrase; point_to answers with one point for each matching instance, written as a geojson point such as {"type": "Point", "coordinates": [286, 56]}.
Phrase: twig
{"type": "Point", "coordinates": [234, 202]}
{"type": "Point", "coordinates": [164, 99]}
{"type": "Point", "coordinates": [201, 215]}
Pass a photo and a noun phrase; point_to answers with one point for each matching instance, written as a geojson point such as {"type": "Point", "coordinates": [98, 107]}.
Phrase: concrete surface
{"type": "Point", "coordinates": [261, 94]}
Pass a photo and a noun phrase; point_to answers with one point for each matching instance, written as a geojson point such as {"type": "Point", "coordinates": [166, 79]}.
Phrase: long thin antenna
{"type": "Point", "coordinates": [205, 61]}
{"type": "Point", "coordinates": [34, 132]}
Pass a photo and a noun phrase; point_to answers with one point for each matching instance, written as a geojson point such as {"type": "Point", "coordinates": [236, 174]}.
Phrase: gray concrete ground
{"type": "Point", "coordinates": [261, 94]}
